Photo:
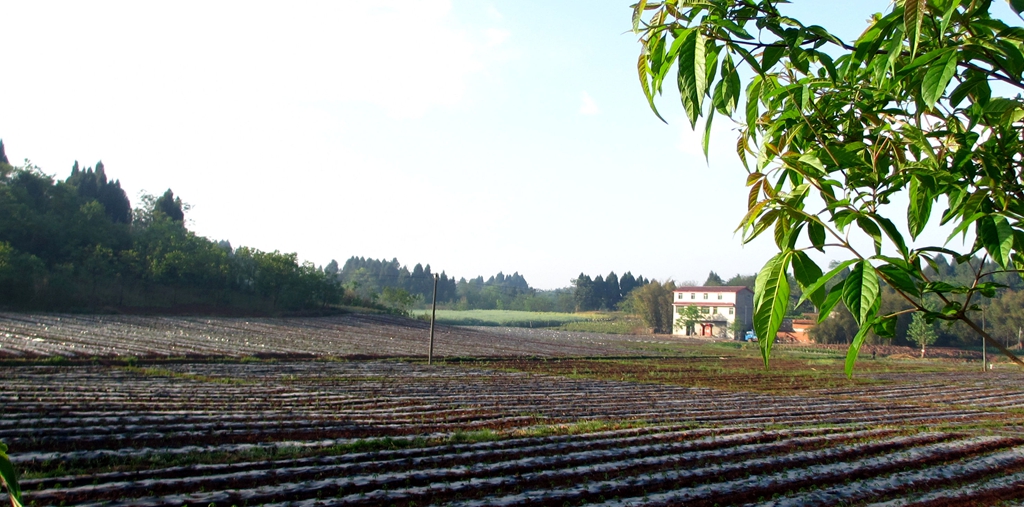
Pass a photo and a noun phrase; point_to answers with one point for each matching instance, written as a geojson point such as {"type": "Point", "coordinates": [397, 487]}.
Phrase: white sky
{"type": "Point", "coordinates": [476, 136]}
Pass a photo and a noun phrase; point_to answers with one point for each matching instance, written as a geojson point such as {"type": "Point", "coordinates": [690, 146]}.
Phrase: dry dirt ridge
{"type": "Point", "coordinates": [283, 434]}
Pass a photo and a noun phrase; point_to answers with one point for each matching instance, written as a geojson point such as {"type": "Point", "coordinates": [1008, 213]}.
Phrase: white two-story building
{"type": "Point", "coordinates": [719, 308]}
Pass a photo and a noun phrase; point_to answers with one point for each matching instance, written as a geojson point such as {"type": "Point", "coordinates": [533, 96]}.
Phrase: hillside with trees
{"type": "Point", "coordinates": [77, 244]}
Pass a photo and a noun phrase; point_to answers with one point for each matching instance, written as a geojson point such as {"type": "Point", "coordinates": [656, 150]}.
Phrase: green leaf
{"type": "Point", "coordinates": [925, 59]}
{"type": "Point", "coordinates": [829, 65]}
{"type": "Point", "coordinates": [962, 227]}
{"type": "Point", "coordinates": [854, 350]}
{"type": "Point", "coordinates": [1017, 6]}
{"type": "Point", "coordinates": [753, 101]}
{"type": "Point", "coordinates": [899, 279]}
{"type": "Point", "coordinates": [963, 89]}
{"type": "Point", "coordinates": [913, 14]}
{"type": "Point", "coordinates": [860, 292]}
{"type": "Point", "coordinates": [771, 297]}
{"type": "Point", "coordinates": [772, 55]}
{"type": "Point", "coordinates": [692, 74]}
{"type": "Point", "coordinates": [948, 15]}
{"type": "Point", "coordinates": [816, 232]}
{"type": "Point", "coordinates": [938, 288]}
{"type": "Point", "coordinates": [727, 91]}
{"type": "Point", "coordinates": [10, 477]}
{"type": "Point", "coordinates": [706, 138]}
{"type": "Point", "coordinates": [812, 160]}
{"type": "Point", "coordinates": [1014, 56]}
{"type": "Point", "coordinates": [643, 70]}
{"type": "Point", "coordinates": [892, 232]}
{"type": "Point", "coordinates": [996, 234]}
{"type": "Point", "coordinates": [937, 79]}
{"type": "Point", "coordinates": [843, 218]}
{"type": "Point", "coordinates": [872, 230]}
{"type": "Point", "coordinates": [807, 273]}
{"type": "Point", "coordinates": [920, 209]}
{"type": "Point", "coordinates": [762, 224]}
{"type": "Point", "coordinates": [736, 30]}
{"type": "Point", "coordinates": [826, 277]}
{"type": "Point", "coordinates": [952, 308]}
{"type": "Point", "coordinates": [885, 327]}
{"type": "Point", "coordinates": [638, 9]}
{"type": "Point", "coordinates": [988, 289]}
{"type": "Point", "coordinates": [834, 295]}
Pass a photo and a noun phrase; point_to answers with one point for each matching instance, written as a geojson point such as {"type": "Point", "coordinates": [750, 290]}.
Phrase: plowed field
{"type": "Point", "coordinates": [392, 433]}
{"type": "Point", "coordinates": [343, 336]}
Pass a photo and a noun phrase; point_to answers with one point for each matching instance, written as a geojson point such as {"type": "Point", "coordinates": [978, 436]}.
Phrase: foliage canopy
{"type": "Point", "coordinates": [919, 107]}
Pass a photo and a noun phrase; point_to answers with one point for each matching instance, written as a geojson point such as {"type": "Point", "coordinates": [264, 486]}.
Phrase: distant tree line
{"type": "Point", "coordinates": [78, 244]}
{"type": "Point", "coordinates": [390, 282]}
{"type": "Point", "coordinates": [603, 292]}
{"type": "Point", "coordinates": [369, 277]}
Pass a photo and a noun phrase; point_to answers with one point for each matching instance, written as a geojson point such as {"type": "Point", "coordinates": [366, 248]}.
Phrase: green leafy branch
{"type": "Point", "coordinates": [906, 109]}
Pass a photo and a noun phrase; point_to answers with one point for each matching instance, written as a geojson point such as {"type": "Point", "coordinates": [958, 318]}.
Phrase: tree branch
{"type": "Point", "coordinates": [985, 336]}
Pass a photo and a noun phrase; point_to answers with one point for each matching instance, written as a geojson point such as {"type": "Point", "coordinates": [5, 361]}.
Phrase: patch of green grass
{"type": "Point", "coordinates": [576, 428]}
{"type": "Point", "coordinates": [824, 362]}
{"type": "Point", "coordinates": [163, 372]}
{"type": "Point", "coordinates": [377, 444]}
{"type": "Point", "coordinates": [471, 437]}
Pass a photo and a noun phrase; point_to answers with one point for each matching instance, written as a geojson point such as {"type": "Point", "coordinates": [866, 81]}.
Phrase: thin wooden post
{"type": "Point", "coordinates": [984, 355]}
{"type": "Point", "coordinates": [433, 312]}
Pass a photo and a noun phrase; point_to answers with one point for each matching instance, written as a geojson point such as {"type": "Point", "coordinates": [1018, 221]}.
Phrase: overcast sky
{"type": "Point", "coordinates": [476, 136]}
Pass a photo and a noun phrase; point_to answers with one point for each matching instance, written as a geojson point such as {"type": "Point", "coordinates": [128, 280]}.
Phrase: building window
{"type": "Point", "coordinates": [719, 296]}
{"type": "Point", "coordinates": [693, 296]}
{"type": "Point", "coordinates": [731, 310]}
{"type": "Point", "coordinates": [705, 295]}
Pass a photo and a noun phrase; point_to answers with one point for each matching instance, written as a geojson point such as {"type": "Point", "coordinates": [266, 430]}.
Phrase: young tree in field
{"type": "Point", "coordinates": [925, 105]}
{"type": "Point", "coordinates": [921, 332]}
{"type": "Point", "coordinates": [688, 318]}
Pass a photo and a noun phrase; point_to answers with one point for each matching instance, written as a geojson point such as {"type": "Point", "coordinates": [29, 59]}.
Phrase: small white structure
{"type": "Point", "coordinates": [719, 308]}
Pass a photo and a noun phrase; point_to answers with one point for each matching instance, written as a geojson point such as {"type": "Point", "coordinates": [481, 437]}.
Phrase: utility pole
{"type": "Point", "coordinates": [433, 312]}
{"type": "Point", "coordinates": [984, 357]}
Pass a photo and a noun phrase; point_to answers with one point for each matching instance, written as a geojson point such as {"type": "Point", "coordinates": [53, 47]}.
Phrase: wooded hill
{"type": "Point", "coordinates": [78, 245]}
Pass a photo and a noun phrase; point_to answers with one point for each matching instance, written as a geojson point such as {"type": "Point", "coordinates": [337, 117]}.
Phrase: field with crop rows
{"type": "Point", "coordinates": [85, 336]}
{"type": "Point", "coordinates": [397, 433]}
{"type": "Point", "coordinates": [511, 318]}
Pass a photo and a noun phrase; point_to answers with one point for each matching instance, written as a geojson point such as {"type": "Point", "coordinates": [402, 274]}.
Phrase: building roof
{"type": "Point", "coordinates": [724, 288]}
